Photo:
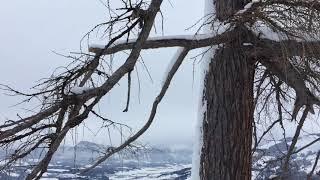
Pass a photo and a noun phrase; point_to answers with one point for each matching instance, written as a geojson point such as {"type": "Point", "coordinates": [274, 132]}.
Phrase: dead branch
{"type": "Point", "coordinates": [295, 140]}
{"type": "Point", "coordinates": [314, 166]}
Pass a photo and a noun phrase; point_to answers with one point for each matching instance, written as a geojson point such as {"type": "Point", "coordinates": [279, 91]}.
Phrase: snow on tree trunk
{"type": "Point", "coordinates": [227, 107]}
{"type": "Point", "coordinates": [198, 142]}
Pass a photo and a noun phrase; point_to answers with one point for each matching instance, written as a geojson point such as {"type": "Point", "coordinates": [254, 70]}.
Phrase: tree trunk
{"type": "Point", "coordinates": [228, 96]}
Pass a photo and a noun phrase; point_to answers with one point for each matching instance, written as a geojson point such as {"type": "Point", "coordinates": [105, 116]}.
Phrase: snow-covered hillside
{"type": "Point", "coordinates": [163, 163]}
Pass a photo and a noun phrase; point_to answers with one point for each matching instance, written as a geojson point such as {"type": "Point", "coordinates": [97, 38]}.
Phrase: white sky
{"type": "Point", "coordinates": [31, 30]}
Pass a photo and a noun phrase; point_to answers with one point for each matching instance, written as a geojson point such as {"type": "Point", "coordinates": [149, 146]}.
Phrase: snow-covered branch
{"type": "Point", "coordinates": [188, 41]}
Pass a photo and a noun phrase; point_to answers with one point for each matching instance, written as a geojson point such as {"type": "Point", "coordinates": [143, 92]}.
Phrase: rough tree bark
{"type": "Point", "coordinates": [228, 94]}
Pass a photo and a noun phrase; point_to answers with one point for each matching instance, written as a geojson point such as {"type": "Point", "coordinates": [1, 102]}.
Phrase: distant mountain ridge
{"type": "Point", "coordinates": [147, 163]}
{"type": "Point", "coordinates": [86, 151]}
{"type": "Point", "coordinates": [165, 163]}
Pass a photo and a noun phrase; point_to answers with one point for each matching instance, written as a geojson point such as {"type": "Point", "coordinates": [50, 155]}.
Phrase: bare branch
{"type": "Point", "coordinates": [295, 140]}
{"type": "Point", "coordinates": [28, 122]}
{"type": "Point", "coordinates": [314, 166]}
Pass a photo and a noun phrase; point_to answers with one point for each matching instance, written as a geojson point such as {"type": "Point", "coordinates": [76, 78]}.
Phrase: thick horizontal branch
{"type": "Point", "coordinates": [290, 47]}
{"type": "Point", "coordinates": [190, 42]}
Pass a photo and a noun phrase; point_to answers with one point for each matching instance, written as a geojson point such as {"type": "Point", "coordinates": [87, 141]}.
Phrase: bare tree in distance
{"type": "Point", "coordinates": [264, 56]}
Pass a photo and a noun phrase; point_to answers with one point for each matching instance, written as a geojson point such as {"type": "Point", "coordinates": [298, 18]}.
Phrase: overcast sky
{"type": "Point", "coordinates": [32, 29]}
